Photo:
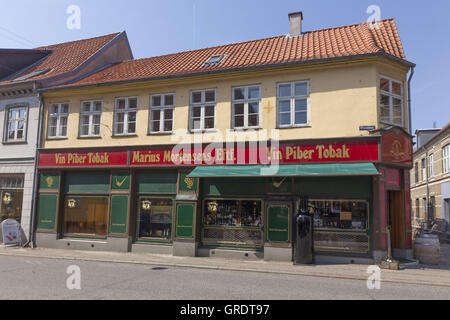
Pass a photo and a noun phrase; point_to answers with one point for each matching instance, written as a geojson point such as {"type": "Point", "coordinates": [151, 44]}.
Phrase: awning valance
{"type": "Point", "coordinates": [328, 169]}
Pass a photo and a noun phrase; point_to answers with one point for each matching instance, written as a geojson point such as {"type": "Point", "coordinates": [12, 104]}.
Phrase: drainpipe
{"type": "Point", "coordinates": [31, 240]}
{"type": "Point", "coordinates": [409, 100]}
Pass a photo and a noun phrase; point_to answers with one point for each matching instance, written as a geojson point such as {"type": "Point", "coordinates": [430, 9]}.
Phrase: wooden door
{"type": "Point", "coordinates": [396, 208]}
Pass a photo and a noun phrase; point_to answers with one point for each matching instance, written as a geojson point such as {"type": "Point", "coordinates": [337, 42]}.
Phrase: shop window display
{"type": "Point", "coordinates": [11, 197]}
{"type": "Point", "coordinates": [155, 218]}
{"type": "Point", "coordinates": [86, 216]}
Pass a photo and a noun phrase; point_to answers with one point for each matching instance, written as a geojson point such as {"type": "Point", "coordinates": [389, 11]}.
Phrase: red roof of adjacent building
{"type": "Point", "coordinates": [346, 41]}
{"type": "Point", "coordinates": [63, 57]}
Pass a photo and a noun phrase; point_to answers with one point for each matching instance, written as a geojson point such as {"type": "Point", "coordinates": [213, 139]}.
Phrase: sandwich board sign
{"type": "Point", "coordinates": [11, 232]}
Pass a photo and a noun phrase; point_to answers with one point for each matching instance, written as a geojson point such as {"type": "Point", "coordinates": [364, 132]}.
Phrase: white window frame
{"type": "Point", "coordinates": [126, 112]}
{"type": "Point", "coordinates": [246, 101]}
{"type": "Point", "coordinates": [431, 165]}
{"type": "Point", "coordinates": [446, 159]}
{"type": "Point", "coordinates": [16, 120]}
{"type": "Point", "coordinates": [292, 99]}
{"type": "Point", "coordinates": [391, 96]}
{"type": "Point", "coordinates": [161, 108]}
{"type": "Point", "coordinates": [91, 113]}
{"type": "Point", "coordinates": [58, 115]}
{"type": "Point", "coordinates": [203, 104]}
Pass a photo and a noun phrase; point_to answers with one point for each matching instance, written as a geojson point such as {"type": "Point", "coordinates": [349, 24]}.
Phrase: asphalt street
{"type": "Point", "coordinates": [40, 278]}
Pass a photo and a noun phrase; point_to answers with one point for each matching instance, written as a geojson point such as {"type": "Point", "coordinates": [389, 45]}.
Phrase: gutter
{"type": "Point", "coordinates": [31, 236]}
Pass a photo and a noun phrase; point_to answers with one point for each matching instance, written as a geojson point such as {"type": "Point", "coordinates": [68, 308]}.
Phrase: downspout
{"type": "Point", "coordinates": [31, 237]}
{"type": "Point", "coordinates": [409, 100]}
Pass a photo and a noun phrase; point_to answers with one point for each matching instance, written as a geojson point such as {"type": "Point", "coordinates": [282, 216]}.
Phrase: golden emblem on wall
{"type": "Point", "coordinates": [279, 183]}
{"type": "Point", "coordinates": [146, 204]}
{"type": "Point", "coordinates": [49, 181]}
{"type": "Point", "coordinates": [212, 206]}
{"type": "Point", "coordinates": [7, 198]}
{"type": "Point", "coordinates": [72, 203]}
{"type": "Point", "coordinates": [120, 183]}
{"type": "Point", "coordinates": [397, 150]}
{"type": "Point", "coordinates": [189, 182]}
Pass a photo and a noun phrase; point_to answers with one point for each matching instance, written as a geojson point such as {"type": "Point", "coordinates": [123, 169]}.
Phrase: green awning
{"type": "Point", "coordinates": [283, 170]}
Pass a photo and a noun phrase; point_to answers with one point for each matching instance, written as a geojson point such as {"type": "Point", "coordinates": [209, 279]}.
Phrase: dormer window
{"type": "Point", "coordinates": [214, 60]}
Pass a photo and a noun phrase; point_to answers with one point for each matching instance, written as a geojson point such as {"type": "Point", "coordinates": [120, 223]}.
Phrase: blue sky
{"type": "Point", "coordinates": [156, 27]}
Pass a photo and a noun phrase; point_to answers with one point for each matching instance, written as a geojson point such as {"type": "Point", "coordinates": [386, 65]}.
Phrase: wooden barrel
{"type": "Point", "coordinates": [427, 249]}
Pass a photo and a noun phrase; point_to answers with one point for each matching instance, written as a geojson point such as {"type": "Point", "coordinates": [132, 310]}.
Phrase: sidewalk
{"type": "Point", "coordinates": [420, 275]}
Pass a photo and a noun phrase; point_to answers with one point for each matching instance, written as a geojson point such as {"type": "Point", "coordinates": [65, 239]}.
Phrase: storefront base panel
{"type": "Point", "coordinates": [277, 254]}
{"type": "Point", "coordinates": [185, 249]}
{"type": "Point", "coordinates": [119, 244]}
{"type": "Point", "coordinates": [152, 248]}
{"type": "Point", "coordinates": [379, 255]}
{"type": "Point", "coordinates": [327, 259]}
{"type": "Point", "coordinates": [48, 240]}
{"type": "Point", "coordinates": [230, 253]}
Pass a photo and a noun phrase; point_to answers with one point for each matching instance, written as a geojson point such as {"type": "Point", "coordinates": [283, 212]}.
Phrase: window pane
{"type": "Point", "coordinates": [254, 93]}
{"type": "Point", "coordinates": [132, 117]}
{"type": "Point", "coordinates": [196, 123]}
{"type": "Point", "coordinates": [253, 121]}
{"type": "Point", "coordinates": [209, 123]}
{"type": "Point", "coordinates": [19, 134]}
{"type": "Point", "coordinates": [196, 112]}
{"type": "Point", "coordinates": [52, 131]}
{"type": "Point", "coordinates": [132, 103]}
{"type": "Point", "coordinates": [285, 119]}
{"type": "Point", "coordinates": [385, 108]}
{"type": "Point", "coordinates": [397, 110]}
{"type": "Point", "coordinates": [285, 90]}
{"type": "Point", "coordinates": [63, 131]}
{"type": "Point", "coordinates": [12, 125]}
{"type": "Point", "coordinates": [239, 93]}
{"type": "Point", "coordinates": [253, 108]}
{"type": "Point", "coordinates": [20, 125]}
{"type": "Point", "coordinates": [168, 114]}
{"type": "Point", "coordinates": [155, 218]}
{"type": "Point", "coordinates": [156, 101]}
{"type": "Point", "coordinates": [239, 109]}
{"type": "Point", "coordinates": [209, 111]}
{"type": "Point", "coordinates": [131, 127]}
{"type": "Point", "coordinates": [396, 88]}
{"type": "Point", "coordinates": [155, 126]}
{"type": "Point", "coordinates": [301, 89]}
{"type": "Point", "coordinates": [168, 100]}
{"type": "Point", "coordinates": [121, 104]}
{"type": "Point", "coordinates": [285, 106]}
{"type": "Point", "coordinates": [96, 119]}
{"type": "Point", "coordinates": [84, 130]}
{"type": "Point", "coordinates": [197, 97]}
{"type": "Point", "coordinates": [301, 105]}
{"type": "Point", "coordinates": [11, 135]}
{"type": "Point", "coordinates": [120, 117]}
{"type": "Point", "coordinates": [86, 107]}
{"type": "Point", "coordinates": [168, 125]}
{"type": "Point", "coordinates": [98, 106]}
{"type": "Point", "coordinates": [301, 118]}
{"type": "Point", "coordinates": [97, 129]}
{"type": "Point", "coordinates": [239, 121]}
{"type": "Point", "coordinates": [210, 96]}
{"type": "Point", "coordinates": [65, 108]}
{"type": "Point", "coordinates": [120, 128]}
{"type": "Point", "coordinates": [85, 120]}
{"type": "Point", "coordinates": [384, 85]}
{"type": "Point", "coordinates": [63, 121]}
{"type": "Point", "coordinates": [13, 114]}
{"type": "Point", "coordinates": [22, 113]}
{"type": "Point", "coordinates": [156, 114]}
{"type": "Point", "coordinates": [54, 109]}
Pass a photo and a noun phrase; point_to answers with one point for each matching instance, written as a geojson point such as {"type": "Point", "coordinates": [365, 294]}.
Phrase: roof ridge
{"type": "Point", "coordinates": [115, 34]}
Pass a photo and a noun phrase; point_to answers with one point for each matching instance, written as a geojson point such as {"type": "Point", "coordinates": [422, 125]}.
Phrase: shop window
{"type": "Point", "coordinates": [339, 214]}
{"type": "Point", "coordinates": [232, 223]}
{"type": "Point", "coordinates": [11, 197]}
{"type": "Point", "coordinates": [86, 216]}
{"type": "Point", "coordinates": [155, 218]}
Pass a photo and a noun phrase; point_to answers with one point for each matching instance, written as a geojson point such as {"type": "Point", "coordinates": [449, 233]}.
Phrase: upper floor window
{"type": "Point", "coordinates": [446, 159]}
{"type": "Point", "coordinates": [125, 116]}
{"type": "Point", "coordinates": [424, 167]}
{"type": "Point", "coordinates": [16, 124]}
{"type": "Point", "coordinates": [431, 165]}
{"type": "Point", "coordinates": [161, 113]}
{"type": "Point", "coordinates": [57, 120]}
{"type": "Point", "coordinates": [293, 105]}
{"type": "Point", "coordinates": [391, 101]}
{"type": "Point", "coordinates": [416, 172]}
{"type": "Point", "coordinates": [90, 117]}
{"type": "Point", "coordinates": [203, 110]}
{"type": "Point", "coordinates": [246, 105]}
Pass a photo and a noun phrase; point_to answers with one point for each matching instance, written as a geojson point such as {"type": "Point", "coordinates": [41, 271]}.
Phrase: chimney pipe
{"type": "Point", "coordinates": [295, 24]}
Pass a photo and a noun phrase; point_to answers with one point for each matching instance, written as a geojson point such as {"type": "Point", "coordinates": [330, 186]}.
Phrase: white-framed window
{"type": "Point", "coordinates": [431, 165]}
{"type": "Point", "coordinates": [57, 120]}
{"type": "Point", "coordinates": [125, 116]}
{"type": "Point", "coordinates": [424, 168]}
{"type": "Point", "coordinates": [293, 104]}
{"type": "Point", "coordinates": [162, 108]}
{"type": "Point", "coordinates": [446, 159]}
{"type": "Point", "coordinates": [203, 110]}
{"type": "Point", "coordinates": [246, 107]}
{"type": "Point", "coordinates": [391, 101]}
{"type": "Point", "coordinates": [16, 124]}
{"type": "Point", "coordinates": [90, 118]}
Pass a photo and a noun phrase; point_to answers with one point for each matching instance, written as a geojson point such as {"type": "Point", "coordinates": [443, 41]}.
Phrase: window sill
{"type": "Point", "coordinates": [203, 131]}
{"type": "Point", "coordinates": [57, 138]}
{"type": "Point", "coordinates": [124, 135]}
{"type": "Point", "coordinates": [168, 133]}
{"type": "Point", "coordinates": [14, 142]}
{"type": "Point", "coordinates": [295, 127]}
{"type": "Point", "coordinates": [245, 129]}
{"type": "Point", "coordinates": [89, 137]}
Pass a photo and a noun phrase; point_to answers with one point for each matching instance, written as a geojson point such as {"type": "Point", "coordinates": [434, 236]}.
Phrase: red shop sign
{"type": "Point", "coordinates": [348, 151]}
{"type": "Point", "coordinates": [83, 159]}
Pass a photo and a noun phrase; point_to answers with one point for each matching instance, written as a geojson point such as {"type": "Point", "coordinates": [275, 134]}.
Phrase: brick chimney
{"type": "Point", "coordinates": [295, 24]}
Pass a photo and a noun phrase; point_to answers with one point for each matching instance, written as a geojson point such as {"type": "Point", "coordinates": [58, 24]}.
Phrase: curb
{"type": "Point", "coordinates": [224, 268]}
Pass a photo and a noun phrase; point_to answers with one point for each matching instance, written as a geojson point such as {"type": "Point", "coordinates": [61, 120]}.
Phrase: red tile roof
{"type": "Point", "coordinates": [346, 41]}
{"type": "Point", "coordinates": [64, 57]}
